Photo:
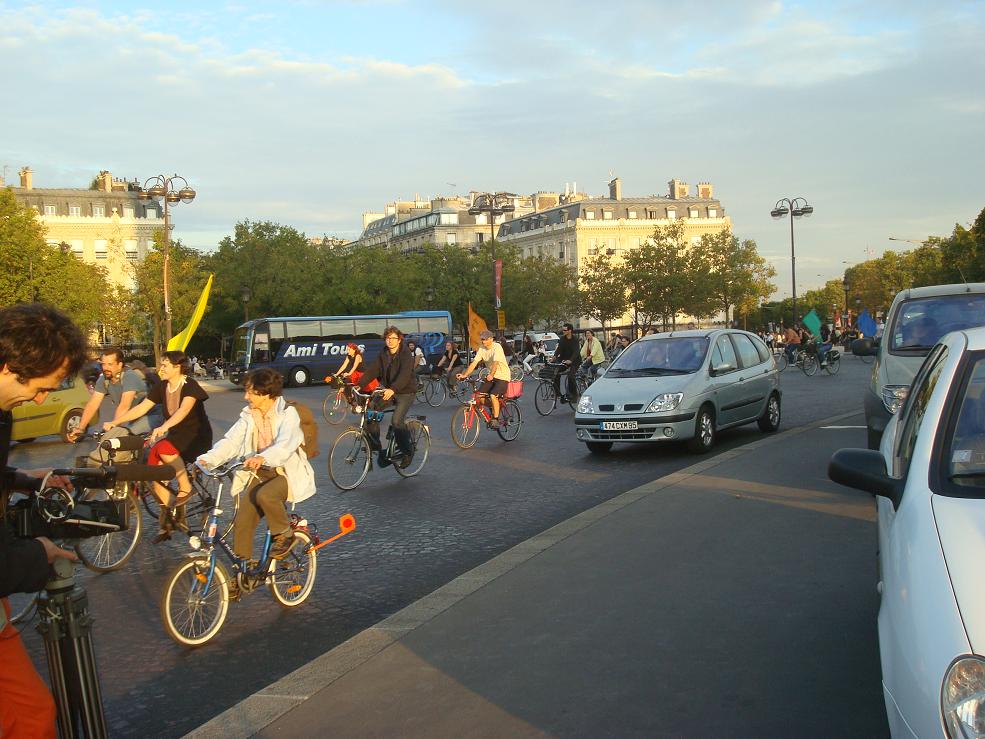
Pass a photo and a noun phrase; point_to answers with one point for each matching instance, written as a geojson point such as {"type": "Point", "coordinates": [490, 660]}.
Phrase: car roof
{"type": "Point", "coordinates": [928, 291]}
{"type": "Point", "coordinates": [976, 338]}
{"type": "Point", "coordinates": [699, 332]}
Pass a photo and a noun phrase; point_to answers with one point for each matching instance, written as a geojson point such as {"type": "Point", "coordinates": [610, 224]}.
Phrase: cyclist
{"type": "Point", "coordinates": [495, 385]}
{"type": "Point", "coordinates": [394, 369]}
{"type": "Point", "coordinates": [420, 363]}
{"type": "Point", "coordinates": [592, 354]}
{"type": "Point", "coordinates": [349, 370]}
{"type": "Point", "coordinates": [791, 340]}
{"type": "Point", "coordinates": [39, 348]}
{"type": "Point", "coordinates": [567, 353]}
{"type": "Point", "coordinates": [450, 359]}
{"type": "Point", "coordinates": [268, 434]}
{"type": "Point", "coordinates": [186, 426]}
{"type": "Point", "coordinates": [125, 387]}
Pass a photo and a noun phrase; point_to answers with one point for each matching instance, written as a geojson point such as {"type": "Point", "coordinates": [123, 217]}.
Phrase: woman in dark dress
{"type": "Point", "coordinates": [186, 427]}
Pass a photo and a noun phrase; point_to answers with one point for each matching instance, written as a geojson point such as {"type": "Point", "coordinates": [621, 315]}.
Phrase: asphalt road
{"type": "Point", "coordinates": [413, 536]}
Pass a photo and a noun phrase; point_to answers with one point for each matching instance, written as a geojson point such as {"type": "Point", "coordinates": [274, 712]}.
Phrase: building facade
{"type": "Point", "coordinates": [106, 224]}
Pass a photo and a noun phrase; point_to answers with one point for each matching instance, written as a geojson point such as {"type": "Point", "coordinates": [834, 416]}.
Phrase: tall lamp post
{"type": "Point", "coordinates": [845, 286]}
{"type": "Point", "coordinates": [245, 294]}
{"type": "Point", "coordinates": [494, 204]}
{"type": "Point", "coordinates": [166, 188]}
{"type": "Point", "coordinates": [795, 208]}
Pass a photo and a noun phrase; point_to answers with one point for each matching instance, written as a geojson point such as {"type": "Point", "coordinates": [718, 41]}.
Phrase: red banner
{"type": "Point", "coordinates": [498, 267]}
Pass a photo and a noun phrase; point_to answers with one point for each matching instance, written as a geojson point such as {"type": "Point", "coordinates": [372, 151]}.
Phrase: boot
{"type": "Point", "coordinates": [180, 518]}
{"type": "Point", "coordinates": [164, 524]}
{"type": "Point", "coordinates": [373, 431]}
{"type": "Point", "coordinates": [405, 447]}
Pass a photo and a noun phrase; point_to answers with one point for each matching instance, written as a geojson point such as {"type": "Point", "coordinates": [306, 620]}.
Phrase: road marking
{"type": "Point", "coordinates": [842, 427]}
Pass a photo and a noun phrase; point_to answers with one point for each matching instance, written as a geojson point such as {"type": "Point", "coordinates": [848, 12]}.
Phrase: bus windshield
{"type": "Point", "coordinates": [308, 348]}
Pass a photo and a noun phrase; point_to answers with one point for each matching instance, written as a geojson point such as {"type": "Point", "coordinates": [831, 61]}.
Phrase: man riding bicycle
{"type": "Point", "coordinates": [495, 385]}
{"type": "Point", "coordinates": [567, 353]}
{"type": "Point", "coordinates": [394, 368]}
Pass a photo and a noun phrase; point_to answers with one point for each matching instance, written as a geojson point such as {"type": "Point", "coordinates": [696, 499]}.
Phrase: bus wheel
{"type": "Point", "coordinates": [298, 376]}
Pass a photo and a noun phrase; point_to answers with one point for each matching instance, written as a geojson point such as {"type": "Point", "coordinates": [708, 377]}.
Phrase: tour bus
{"type": "Point", "coordinates": [307, 348]}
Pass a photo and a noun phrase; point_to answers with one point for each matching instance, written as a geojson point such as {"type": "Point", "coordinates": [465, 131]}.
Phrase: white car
{"type": "Point", "coordinates": [929, 481]}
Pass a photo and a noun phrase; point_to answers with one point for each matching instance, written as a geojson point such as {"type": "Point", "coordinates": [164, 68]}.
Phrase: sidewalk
{"type": "Point", "coordinates": [684, 607]}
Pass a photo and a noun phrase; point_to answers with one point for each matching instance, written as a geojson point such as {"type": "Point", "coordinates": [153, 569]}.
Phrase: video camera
{"type": "Point", "coordinates": [60, 514]}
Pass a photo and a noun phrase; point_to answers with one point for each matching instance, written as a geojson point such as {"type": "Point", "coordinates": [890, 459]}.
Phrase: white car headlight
{"type": "Point", "coordinates": [893, 396]}
{"type": "Point", "coordinates": [963, 698]}
{"type": "Point", "coordinates": [665, 402]}
{"type": "Point", "coordinates": [585, 404]}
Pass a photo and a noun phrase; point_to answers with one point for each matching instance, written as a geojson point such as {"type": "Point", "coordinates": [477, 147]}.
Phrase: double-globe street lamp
{"type": "Point", "coordinates": [166, 188]}
{"type": "Point", "coordinates": [845, 285]}
{"type": "Point", "coordinates": [795, 208]}
{"type": "Point", "coordinates": [494, 204]}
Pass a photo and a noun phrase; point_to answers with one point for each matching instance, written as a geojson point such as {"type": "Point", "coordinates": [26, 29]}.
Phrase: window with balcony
{"type": "Point", "coordinates": [77, 247]}
{"type": "Point", "coordinates": [99, 248]}
{"type": "Point", "coordinates": [130, 247]}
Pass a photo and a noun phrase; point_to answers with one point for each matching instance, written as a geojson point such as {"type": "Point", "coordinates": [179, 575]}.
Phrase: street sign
{"type": "Point", "coordinates": [501, 319]}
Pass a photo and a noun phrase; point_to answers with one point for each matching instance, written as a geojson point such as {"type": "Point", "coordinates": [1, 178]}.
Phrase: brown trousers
{"type": "Point", "coordinates": [264, 496]}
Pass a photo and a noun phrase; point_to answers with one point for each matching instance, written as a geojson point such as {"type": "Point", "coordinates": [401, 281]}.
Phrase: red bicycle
{"type": "Point", "coordinates": [337, 402]}
{"type": "Point", "coordinates": [467, 420]}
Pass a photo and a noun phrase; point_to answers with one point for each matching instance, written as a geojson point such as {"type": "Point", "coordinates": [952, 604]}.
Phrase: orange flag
{"type": "Point", "coordinates": [476, 326]}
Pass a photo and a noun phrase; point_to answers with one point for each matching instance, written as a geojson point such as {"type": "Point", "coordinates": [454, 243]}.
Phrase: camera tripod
{"type": "Point", "coordinates": [66, 627]}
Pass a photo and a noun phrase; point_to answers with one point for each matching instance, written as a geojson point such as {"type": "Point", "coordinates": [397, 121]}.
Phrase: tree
{"type": "Point", "coordinates": [739, 276]}
{"type": "Point", "coordinates": [603, 291]}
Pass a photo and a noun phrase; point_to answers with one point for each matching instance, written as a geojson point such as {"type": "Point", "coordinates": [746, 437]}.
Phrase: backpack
{"type": "Point", "coordinates": [308, 427]}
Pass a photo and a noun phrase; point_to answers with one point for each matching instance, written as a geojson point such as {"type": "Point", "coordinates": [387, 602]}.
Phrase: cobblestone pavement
{"type": "Point", "coordinates": [413, 536]}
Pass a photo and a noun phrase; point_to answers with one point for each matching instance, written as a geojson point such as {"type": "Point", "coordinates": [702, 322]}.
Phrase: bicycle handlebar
{"type": "Point", "coordinates": [222, 470]}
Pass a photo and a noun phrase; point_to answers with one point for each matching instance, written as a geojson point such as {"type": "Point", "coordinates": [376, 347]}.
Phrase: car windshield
{"type": "Point", "coordinates": [922, 322]}
{"type": "Point", "coordinates": [665, 356]}
{"type": "Point", "coordinates": [967, 454]}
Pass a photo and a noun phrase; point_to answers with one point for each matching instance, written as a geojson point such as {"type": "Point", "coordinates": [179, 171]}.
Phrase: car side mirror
{"type": "Point", "coordinates": [865, 347]}
{"type": "Point", "coordinates": [865, 469]}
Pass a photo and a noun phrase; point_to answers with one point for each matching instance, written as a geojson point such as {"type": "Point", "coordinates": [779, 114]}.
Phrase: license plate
{"type": "Point", "coordinates": [620, 425]}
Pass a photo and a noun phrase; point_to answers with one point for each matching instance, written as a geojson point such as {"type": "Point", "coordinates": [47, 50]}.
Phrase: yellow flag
{"type": "Point", "coordinates": [179, 342]}
{"type": "Point", "coordinates": [476, 326]}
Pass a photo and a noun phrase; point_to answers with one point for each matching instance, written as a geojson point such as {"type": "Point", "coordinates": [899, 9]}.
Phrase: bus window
{"type": "Point", "coordinates": [434, 324]}
{"type": "Point", "coordinates": [406, 325]}
{"type": "Point", "coordinates": [370, 328]}
{"type": "Point", "coordinates": [309, 330]}
{"type": "Point", "coordinates": [339, 329]}
{"type": "Point", "coordinates": [261, 343]}
{"type": "Point", "coordinates": [276, 337]}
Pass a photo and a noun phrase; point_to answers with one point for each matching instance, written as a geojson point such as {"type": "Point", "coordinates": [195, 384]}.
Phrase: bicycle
{"type": "Point", "coordinates": [351, 457]}
{"type": "Point", "coordinates": [831, 364]}
{"type": "Point", "coordinates": [780, 359]}
{"type": "Point", "coordinates": [546, 396]}
{"type": "Point", "coordinates": [336, 404]}
{"type": "Point", "coordinates": [465, 423]}
{"type": "Point", "coordinates": [195, 600]}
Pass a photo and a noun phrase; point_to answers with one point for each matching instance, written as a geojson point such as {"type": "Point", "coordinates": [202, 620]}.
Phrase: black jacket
{"type": "Point", "coordinates": [394, 371]}
{"type": "Point", "coordinates": [567, 349]}
{"type": "Point", "coordinates": [23, 563]}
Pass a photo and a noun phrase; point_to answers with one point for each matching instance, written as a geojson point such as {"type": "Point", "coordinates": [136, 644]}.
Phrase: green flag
{"type": "Point", "coordinates": [812, 322]}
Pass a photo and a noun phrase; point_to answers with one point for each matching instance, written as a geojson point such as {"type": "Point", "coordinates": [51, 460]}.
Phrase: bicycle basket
{"type": "Point", "coordinates": [514, 389]}
{"type": "Point", "coordinates": [549, 371]}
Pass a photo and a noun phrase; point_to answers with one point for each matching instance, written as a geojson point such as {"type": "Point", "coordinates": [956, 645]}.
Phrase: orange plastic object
{"type": "Point", "coordinates": [347, 524]}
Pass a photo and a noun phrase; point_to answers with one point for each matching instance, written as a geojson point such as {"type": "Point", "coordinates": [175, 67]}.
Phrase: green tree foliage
{"type": "Point", "coordinates": [31, 269]}
{"type": "Point", "coordinates": [740, 278]}
{"type": "Point", "coordinates": [603, 290]}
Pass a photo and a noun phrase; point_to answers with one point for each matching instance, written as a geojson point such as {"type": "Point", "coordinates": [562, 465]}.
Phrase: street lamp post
{"type": "Point", "coordinates": [495, 204]}
{"type": "Point", "coordinates": [245, 294]}
{"type": "Point", "coordinates": [796, 208]}
{"type": "Point", "coordinates": [845, 286]}
{"type": "Point", "coordinates": [158, 188]}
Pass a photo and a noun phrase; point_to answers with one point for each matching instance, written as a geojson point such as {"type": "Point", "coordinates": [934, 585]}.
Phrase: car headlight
{"type": "Point", "coordinates": [963, 698]}
{"type": "Point", "coordinates": [893, 396]}
{"type": "Point", "coordinates": [585, 404]}
{"type": "Point", "coordinates": [665, 402]}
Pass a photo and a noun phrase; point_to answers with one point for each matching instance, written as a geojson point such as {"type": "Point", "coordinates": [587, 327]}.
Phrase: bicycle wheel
{"type": "Point", "coordinates": [462, 394]}
{"type": "Point", "coordinates": [292, 578]}
{"type": "Point", "coordinates": [832, 365]}
{"type": "Point", "coordinates": [516, 372]}
{"type": "Point", "coordinates": [22, 607]}
{"type": "Point", "coordinates": [465, 427]}
{"type": "Point", "coordinates": [421, 388]}
{"type": "Point", "coordinates": [510, 421]}
{"type": "Point", "coordinates": [780, 358]}
{"type": "Point", "coordinates": [348, 462]}
{"type": "Point", "coordinates": [434, 393]}
{"type": "Point", "coordinates": [810, 365]}
{"type": "Point", "coordinates": [545, 399]}
{"type": "Point", "coordinates": [865, 359]}
{"type": "Point", "coordinates": [199, 508]}
{"type": "Point", "coordinates": [193, 606]}
{"type": "Point", "coordinates": [421, 440]}
{"type": "Point", "coordinates": [334, 408]}
{"type": "Point", "coordinates": [111, 551]}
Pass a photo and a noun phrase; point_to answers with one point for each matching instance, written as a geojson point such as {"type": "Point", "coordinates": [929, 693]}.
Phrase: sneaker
{"type": "Point", "coordinates": [283, 543]}
{"type": "Point", "coordinates": [494, 423]}
{"type": "Point", "coordinates": [382, 460]}
{"type": "Point", "coordinates": [234, 592]}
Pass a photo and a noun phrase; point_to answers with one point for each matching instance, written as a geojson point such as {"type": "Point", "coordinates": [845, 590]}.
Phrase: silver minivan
{"type": "Point", "coordinates": [916, 320]}
{"type": "Point", "coordinates": [681, 386]}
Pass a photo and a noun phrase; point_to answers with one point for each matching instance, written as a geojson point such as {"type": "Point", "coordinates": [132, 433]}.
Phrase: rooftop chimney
{"type": "Point", "coordinates": [706, 190]}
{"type": "Point", "coordinates": [615, 189]}
{"type": "Point", "coordinates": [678, 189]}
{"type": "Point", "coordinates": [105, 181]}
{"type": "Point", "coordinates": [27, 178]}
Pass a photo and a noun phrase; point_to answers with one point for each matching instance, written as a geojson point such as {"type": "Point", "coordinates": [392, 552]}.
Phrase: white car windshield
{"type": "Point", "coordinates": [682, 355]}
{"type": "Point", "coordinates": [967, 454]}
{"type": "Point", "coordinates": [922, 322]}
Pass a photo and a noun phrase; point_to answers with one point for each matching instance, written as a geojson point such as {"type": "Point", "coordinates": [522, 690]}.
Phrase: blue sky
{"type": "Point", "coordinates": [309, 113]}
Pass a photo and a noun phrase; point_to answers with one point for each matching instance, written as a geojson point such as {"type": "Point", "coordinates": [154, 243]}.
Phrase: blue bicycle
{"type": "Point", "coordinates": [196, 597]}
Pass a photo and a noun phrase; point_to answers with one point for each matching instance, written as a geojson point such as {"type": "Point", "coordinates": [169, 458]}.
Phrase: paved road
{"type": "Point", "coordinates": [413, 536]}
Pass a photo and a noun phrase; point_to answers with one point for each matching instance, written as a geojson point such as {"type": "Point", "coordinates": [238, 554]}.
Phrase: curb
{"type": "Point", "coordinates": [261, 709]}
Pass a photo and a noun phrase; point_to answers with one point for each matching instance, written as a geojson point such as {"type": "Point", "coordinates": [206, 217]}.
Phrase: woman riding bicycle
{"type": "Point", "coordinates": [348, 370]}
{"type": "Point", "coordinates": [268, 434]}
{"type": "Point", "coordinates": [186, 427]}
{"type": "Point", "coordinates": [394, 368]}
{"type": "Point", "coordinates": [450, 359]}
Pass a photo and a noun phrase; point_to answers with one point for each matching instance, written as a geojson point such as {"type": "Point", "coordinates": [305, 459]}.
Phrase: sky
{"type": "Point", "coordinates": [310, 112]}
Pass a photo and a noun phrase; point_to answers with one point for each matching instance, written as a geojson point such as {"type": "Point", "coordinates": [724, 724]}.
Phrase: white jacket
{"type": "Point", "coordinates": [285, 455]}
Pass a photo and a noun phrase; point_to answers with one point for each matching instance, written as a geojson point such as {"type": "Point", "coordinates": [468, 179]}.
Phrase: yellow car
{"type": "Point", "coordinates": [60, 412]}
